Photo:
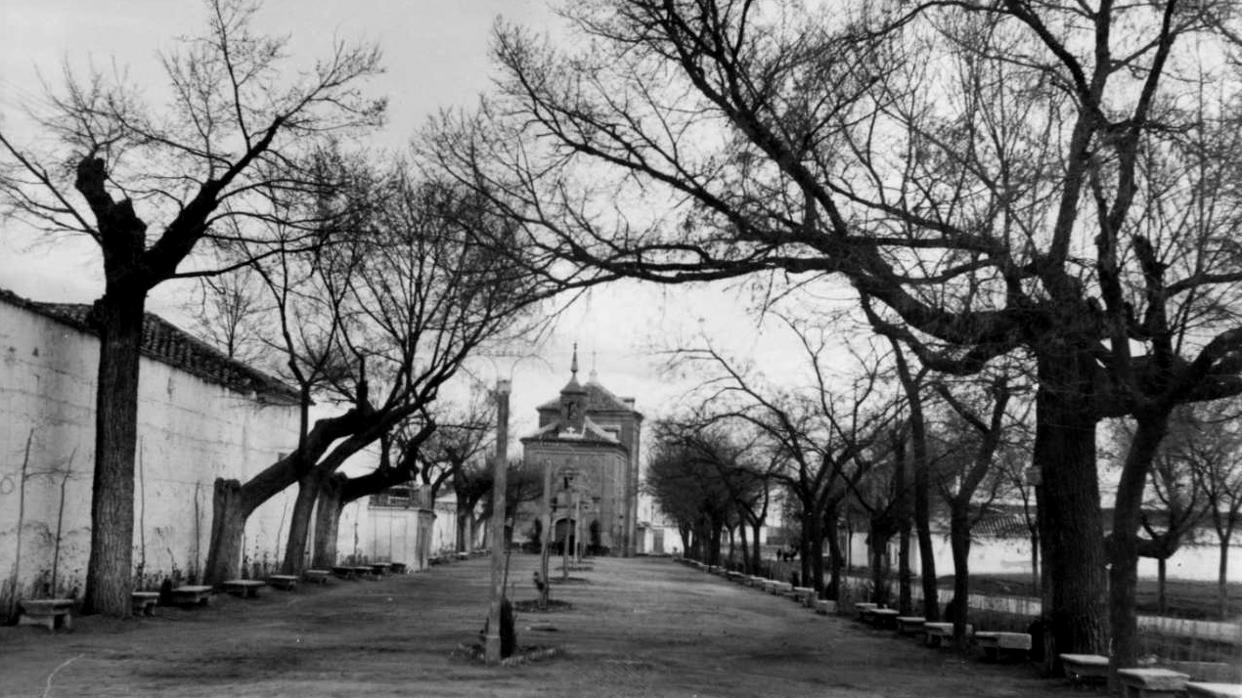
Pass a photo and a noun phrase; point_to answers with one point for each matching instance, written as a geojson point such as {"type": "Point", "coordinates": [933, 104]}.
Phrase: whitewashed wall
{"type": "Point", "coordinates": [409, 535]}
{"type": "Point", "coordinates": [190, 432]}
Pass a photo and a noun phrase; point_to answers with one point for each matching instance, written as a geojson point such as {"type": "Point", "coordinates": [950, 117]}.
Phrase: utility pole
{"type": "Point", "coordinates": [491, 648]}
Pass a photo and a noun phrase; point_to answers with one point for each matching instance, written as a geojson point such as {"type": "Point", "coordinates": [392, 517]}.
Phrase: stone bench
{"type": "Point", "coordinates": [910, 625]}
{"type": "Point", "coordinates": [287, 582]}
{"type": "Point", "coordinates": [937, 634]}
{"type": "Point", "coordinates": [244, 588]}
{"type": "Point", "coordinates": [1084, 668]}
{"type": "Point", "coordinates": [365, 572]}
{"type": "Point", "coordinates": [144, 602]}
{"type": "Point", "coordinates": [399, 567]}
{"type": "Point", "coordinates": [316, 576]}
{"type": "Point", "coordinates": [1206, 672]}
{"type": "Point", "coordinates": [804, 595]}
{"type": "Point", "coordinates": [348, 571]}
{"type": "Point", "coordinates": [190, 595]}
{"type": "Point", "coordinates": [997, 644]}
{"type": "Point", "coordinates": [862, 607]}
{"type": "Point", "coordinates": [884, 617]}
{"type": "Point", "coordinates": [52, 613]}
{"type": "Point", "coordinates": [782, 588]}
{"type": "Point", "coordinates": [1151, 683]}
{"type": "Point", "coordinates": [1198, 689]}
{"type": "Point", "coordinates": [825, 606]}
{"type": "Point", "coordinates": [463, 556]}
{"type": "Point", "coordinates": [756, 582]}
{"type": "Point", "coordinates": [379, 569]}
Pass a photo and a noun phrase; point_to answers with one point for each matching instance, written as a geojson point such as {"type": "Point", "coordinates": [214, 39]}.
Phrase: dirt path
{"type": "Point", "coordinates": [641, 627]}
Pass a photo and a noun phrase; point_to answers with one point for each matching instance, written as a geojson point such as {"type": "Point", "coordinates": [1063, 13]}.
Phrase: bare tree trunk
{"type": "Point", "coordinates": [959, 540]}
{"type": "Point", "coordinates": [1222, 579]}
{"type": "Point", "coordinates": [756, 553]}
{"type": "Point", "coordinates": [905, 599]}
{"type": "Point", "coordinates": [1123, 572]}
{"type": "Point", "coordinates": [1071, 532]}
{"type": "Point", "coordinates": [741, 534]}
{"type": "Point", "coordinates": [328, 523]}
{"type": "Point", "coordinates": [228, 525]}
{"type": "Point", "coordinates": [299, 522]}
{"type": "Point", "coordinates": [833, 534]}
{"type": "Point", "coordinates": [118, 319]}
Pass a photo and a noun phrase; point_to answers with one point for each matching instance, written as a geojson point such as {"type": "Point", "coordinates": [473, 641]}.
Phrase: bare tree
{"type": "Point", "coordinates": [152, 185]}
{"type": "Point", "coordinates": [1213, 454]}
{"type": "Point", "coordinates": [983, 415]}
{"type": "Point", "coordinates": [1000, 178]}
{"type": "Point", "coordinates": [380, 323]}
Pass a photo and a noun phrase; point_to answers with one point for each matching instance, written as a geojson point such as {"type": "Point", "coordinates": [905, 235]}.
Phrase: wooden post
{"type": "Point", "coordinates": [491, 648]}
{"type": "Point", "coordinates": [546, 535]}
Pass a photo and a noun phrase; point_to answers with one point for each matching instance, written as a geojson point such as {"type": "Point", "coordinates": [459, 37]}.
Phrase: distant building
{"type": "Point", "coordinates": [588, 439]}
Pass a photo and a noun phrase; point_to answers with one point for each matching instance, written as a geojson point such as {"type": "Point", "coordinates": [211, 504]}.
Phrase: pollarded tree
{"type": "Point", "coordinates": [380, 322]}
{"type": "Point", "coordinates": [1040, 179]}
{"type": "Point", "coordinates": [150, 185]}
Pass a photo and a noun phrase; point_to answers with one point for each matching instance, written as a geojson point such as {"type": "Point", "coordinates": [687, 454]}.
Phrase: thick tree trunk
{"type": "Point", "coordinates": [905, 599]}
{"type": "Point", "coordinates": [904, 512]}
{"type": "Point", "coordinates": [327, 523]}
{"type": "Point", "coordinates": [228, 525]}
{"type": "Point", "coordinates": [1123, 571]}
{"type": "Point", "coordinates": [805, 542]}
{"type": "Point", "coordinates": [755, 553]}
{"type": "Point", "coordinates": [833, 534]}
{"type": "Point", "coordinates": [1071, 530]}
{"type": "Point", "coordinates": [815, 577]}
{"type": "Point", "coordinates": [741, 534]}
{"type": "Point", "coordinates": [299, 521]}
{"type": "Point", "coordinates": [879, 585]}
{"type": "Point", "coordinates": [109, 572]}
{"type": "Point", "coordinates": [922, 520]}
{"type": "Point", "coordinates": [959, 541]}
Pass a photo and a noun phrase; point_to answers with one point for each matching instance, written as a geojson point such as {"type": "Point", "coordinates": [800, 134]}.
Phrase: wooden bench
{"type": "Point", "coordinates": [1151, 683]}
{"type": "Point", "coordinates": [287, 582]}
{"type": "Point", "coordinates": [884, 618]}
{"type": "Point", "coordinates": [53, 613]}
{"type": "Point", "coordinates": [244, 588]}
{"type": "Point", "coordinates": [190, 595]}
{"type": "Point", "coordinates": [144, 602]}
{"type": "Point", "coordinates": [999, 644]}
{"type": "Point", "coordinates": [936, 634]}
{"type": "Point", "coordinates": [1199, 689]}
{"type": "Point", "coordinates": [1085, 668]}
{"type": "Point", "coordinates": [316, 576]}
{"type": "Point", "coordinates": [910, 625]}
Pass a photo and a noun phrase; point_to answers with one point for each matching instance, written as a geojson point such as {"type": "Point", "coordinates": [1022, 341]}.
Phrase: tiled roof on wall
{"type": "Point", "coordinates": [165, 342]}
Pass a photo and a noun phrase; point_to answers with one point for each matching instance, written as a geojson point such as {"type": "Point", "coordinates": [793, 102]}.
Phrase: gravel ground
{"type": "Point", "coordinates": [639, 627]}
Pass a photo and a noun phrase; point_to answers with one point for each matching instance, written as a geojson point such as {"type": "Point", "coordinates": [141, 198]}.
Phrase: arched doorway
{"type": "Point", "coordinates": [563, 531]}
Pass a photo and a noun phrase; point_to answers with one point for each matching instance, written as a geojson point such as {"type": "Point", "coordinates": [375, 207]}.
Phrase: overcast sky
{"type": "Point", "coordinates": [436, 55]}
